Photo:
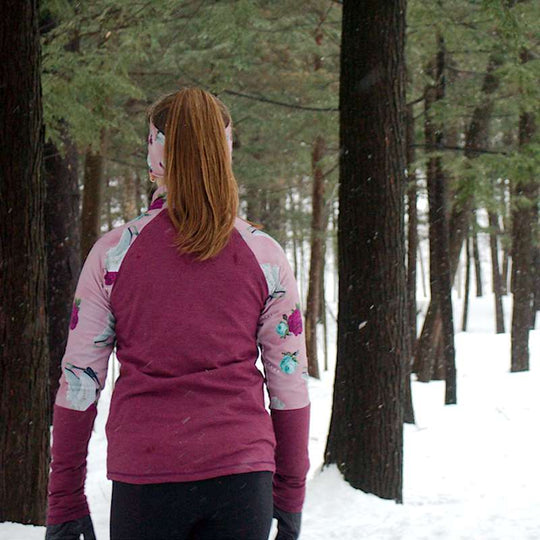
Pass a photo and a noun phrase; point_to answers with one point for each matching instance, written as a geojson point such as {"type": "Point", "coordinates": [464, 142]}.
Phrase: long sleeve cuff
{"type": "Point", "coordinates": [291, 428]}
{"type": "Point", "coordinates": [71, 434]}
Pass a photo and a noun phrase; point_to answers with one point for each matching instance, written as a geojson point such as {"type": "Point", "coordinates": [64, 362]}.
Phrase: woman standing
{"type": "Point", "coordinates": [189, 294]}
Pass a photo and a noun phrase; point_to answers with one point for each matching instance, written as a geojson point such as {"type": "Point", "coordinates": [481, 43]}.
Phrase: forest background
{"type": "Point", "coordinates": [472, 73]}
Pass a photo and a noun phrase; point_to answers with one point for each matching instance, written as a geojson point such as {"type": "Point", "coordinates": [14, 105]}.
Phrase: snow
{"type": "Point", "coordinates": [470, 470]}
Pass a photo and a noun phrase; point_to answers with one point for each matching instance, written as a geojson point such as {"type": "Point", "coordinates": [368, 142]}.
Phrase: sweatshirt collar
{"type": "Point", "coordinates": [159, 198]}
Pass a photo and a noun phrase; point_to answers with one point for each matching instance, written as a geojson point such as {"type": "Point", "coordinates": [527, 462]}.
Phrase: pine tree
{"type": "Point", "coordinates": [365, 439]}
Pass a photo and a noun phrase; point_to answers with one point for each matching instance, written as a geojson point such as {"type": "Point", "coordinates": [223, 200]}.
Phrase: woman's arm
{"type": "Point", "coordinates": [283, 349]}
{"type": "Point", "coordinates": [84, 370]}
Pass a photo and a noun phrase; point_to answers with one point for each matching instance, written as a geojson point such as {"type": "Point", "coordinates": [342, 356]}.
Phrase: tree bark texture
{"type": "Point", "coordinates": [524, 224]}
{"type": "Point", "coordinates": [24, 365]}
{"type": "Point", "coordinates": [476, 138]}
{"type": "Point", "coordinates": [316, 265]}
{"type": "Point", "coordinates": [439, 258]}
{"type": "Point", "coordinates": [92, 195]}
{"type": "Point", "coordinates": [467, 292]}
{"type": "Point", "coordinates": [412, 249]}
{"type": "Point", "coordinates": [366, 429]}
{"type": "Point", "coordinates": [495, 272]}
{"type": "Point", "coordinates": [63, 246]}
{"type": "Point", "coordinates": [476, 257]}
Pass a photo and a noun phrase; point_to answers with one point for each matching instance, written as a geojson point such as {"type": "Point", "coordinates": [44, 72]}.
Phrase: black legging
{"type": "Point", "coordinates": [235, 507]}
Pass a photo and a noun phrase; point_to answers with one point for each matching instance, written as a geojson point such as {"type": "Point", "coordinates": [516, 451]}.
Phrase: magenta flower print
{"type": "Point", "coordinates": [290, 324]}
{"type": "Point", "coordinates": [110, 278]}
{"type": "Point", "coordinates": [295, 321]}
{"type": "Point", "coordinates": [75, 314]}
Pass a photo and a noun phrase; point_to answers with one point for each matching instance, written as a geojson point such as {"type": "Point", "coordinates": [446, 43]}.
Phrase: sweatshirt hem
{"type": "Point", "coordinates": [161, 478]}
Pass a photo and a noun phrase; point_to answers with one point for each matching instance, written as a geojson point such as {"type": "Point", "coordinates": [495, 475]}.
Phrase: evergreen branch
{"type": "Point", "coordinates": [280, 103]}
{"type": "Point", "coordinates": [458, 149]}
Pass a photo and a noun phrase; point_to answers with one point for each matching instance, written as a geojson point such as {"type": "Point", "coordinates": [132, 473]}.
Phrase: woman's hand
{"type": "Point", "coordinates": [288, 524]}
{"type": "Point", "coordinates": [71, 530]}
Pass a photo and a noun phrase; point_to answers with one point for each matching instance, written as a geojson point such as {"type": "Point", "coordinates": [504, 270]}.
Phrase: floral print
{"type": "Point", "coordinates": [115, 255]}
{"type": "Point", "coordinates": [74, 320]}
{"type": "Point", "coordinates": [291, 324]}
{"type": "Point", "coordinates": [83, 386]}
{"type": "Point", "coordinates": [289, 362]}
{"type": "Point", "coordinates": [276, 403]}
{"type": "Point", "coordinates": [108, 335]}
{"type": "Point", "coordinates": [271, 272]}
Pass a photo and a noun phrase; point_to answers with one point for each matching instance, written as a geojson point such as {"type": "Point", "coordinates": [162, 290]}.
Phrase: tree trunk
{"type": "Point", "coordinates": [497, 284]}
{"type": "Point", "coordinates": [366, 430]}
{"type": "Point", "coordinates": [476, 138]}
{"type": "Point", "coordinates": [524, 220]}
{"type": "Point", "coordinates": [316, 258]}
{"type": "Point", "coordinates": [476, 257]}
{"type": "Point", "coordinates": [24, 362]}
{"type": "Point", "coordinates": [129, 193]}
{"type": "Point", "coordinates": [412, 248]}
{"type": "Point", "coordinates": [467, 292]}
{"type": "Point", "coordinates": [63, 245]}
{"type": "Point", "coordinates": [439, 258]}
{"type": "Point", "coordinates": [92, 195]}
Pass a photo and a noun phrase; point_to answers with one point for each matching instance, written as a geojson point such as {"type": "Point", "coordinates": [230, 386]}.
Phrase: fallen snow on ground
{"type": "Point", "coordinates": [471, 471]}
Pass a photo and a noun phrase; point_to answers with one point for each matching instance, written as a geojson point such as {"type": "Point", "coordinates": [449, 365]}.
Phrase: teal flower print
{"type": "Point", "coordinates": [289, 362]}
{"type": "Point", "coordinates": [283, 328]}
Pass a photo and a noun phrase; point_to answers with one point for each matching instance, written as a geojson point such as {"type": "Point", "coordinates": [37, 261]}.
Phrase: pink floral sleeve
{"type": "Point", "coordinates": [91, 338]}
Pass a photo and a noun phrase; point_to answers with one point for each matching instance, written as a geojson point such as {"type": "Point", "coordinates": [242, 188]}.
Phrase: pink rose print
{"type": "Point", "coordinates": [75, 314]}
{"type": "Point", "coordinates": [295, 322]}
{"type": "Point", "coordinates": [110, 277]}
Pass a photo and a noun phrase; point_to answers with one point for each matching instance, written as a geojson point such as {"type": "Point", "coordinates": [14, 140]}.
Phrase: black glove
{"type": "Point", "coordinates": [71, 530]}
{"type": "Point", "coordinates": [288, 524]}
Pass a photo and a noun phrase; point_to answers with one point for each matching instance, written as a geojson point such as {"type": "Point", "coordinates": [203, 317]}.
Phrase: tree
{"type": "Point", "coordinates": [62, 233]}
{"type": "Point", "coordinates": [525, 223]}
{"type": "Point", "coordinates": [366, 430]}
{"type": "Point", "coordinates": [24, 366]}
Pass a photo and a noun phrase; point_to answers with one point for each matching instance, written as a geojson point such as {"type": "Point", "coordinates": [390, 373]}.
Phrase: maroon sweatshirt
{"type": "Point", "coordinates": [189, 401]}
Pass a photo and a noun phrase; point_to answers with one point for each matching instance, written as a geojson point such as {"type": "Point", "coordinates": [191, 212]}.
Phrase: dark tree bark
{"type": "Point", "coordinates": [412, 249]}
{"type": "Point", "coordinates": [467, 292]}
{"type": "Point", "coordinates": [366, 430]}
{"type": "Point", "coordinates": [476, 257]}
{"type": "Point", "coordinates": [62, 233]}
{"type": "Point", "coordinates": [92, 195]}
{"type": "Point", "coordinates": [439, 259]}
{"type": "Point", "coordinates": [316, 265]}
{"type": "Point", "coordinates": [496, 275]}
{"type": "Point", "coordinates": [524, 220]}
{"type": "Point", "coordinates": [24, 364]}
{"type": "Point", "coordinates": [476, 138]}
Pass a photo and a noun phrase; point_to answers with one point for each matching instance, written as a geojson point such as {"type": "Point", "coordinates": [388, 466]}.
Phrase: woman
{"type": "Point", "coordinates": [189, 294]}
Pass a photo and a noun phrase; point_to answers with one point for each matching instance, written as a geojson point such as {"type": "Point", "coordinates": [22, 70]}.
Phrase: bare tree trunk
{"type": "Point", "coordinates": [316, 259]}
{"type": "Point", "coordinates": [476, 257]}
{"type": "Point", "coordinates": [476, 138]}
{"type": "Point", "coordinates": [466, 294]}
{"type": "Point", "coordinates": [92, 195]}
{"type": "Point", "coordinates": [412, 249]}
{"type": "Point", "coordinates": [440, 279]}
{"type": "Point", "coordinates": [496, 275]}
{"type": "Point", "coordinates": [24, 354]}
{"type": "Point", "coordinates": [129, 205]}
{"type": "Point", "coordinates": [366, 430]}
{"type": "Point", "coordinates": [63, 246]}
{"type": "Point", "coordinates": [525, 223]}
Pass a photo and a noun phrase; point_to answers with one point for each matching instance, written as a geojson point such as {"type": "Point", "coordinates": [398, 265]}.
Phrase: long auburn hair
{"type": "Point", "coordinates": [202, 192]}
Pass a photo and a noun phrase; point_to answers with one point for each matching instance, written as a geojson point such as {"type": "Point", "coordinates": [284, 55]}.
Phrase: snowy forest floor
{"type": "Point", "coordinates": [470, 470]}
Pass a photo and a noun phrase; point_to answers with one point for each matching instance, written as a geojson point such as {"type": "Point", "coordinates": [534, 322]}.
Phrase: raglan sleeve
{"type": "Point", "coordinates": [283, 350]}
{"type": "Point", "coordinates": [90, 342]}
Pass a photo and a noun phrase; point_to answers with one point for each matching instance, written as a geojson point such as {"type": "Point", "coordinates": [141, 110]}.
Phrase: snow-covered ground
{"type": "Point", "coordinates": [471, 471]}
